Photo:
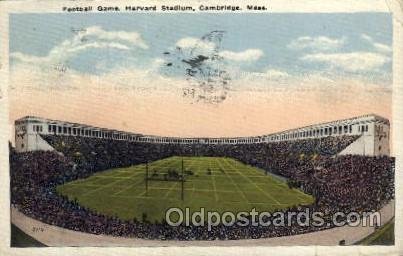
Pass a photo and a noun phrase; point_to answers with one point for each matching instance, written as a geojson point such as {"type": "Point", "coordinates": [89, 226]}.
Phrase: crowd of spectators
{"type": "Point", "coordinates": [338, 183]}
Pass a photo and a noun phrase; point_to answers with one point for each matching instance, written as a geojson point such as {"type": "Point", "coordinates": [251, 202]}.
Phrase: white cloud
{"type": "Point", "coordinates": [141, 80]}
{"type": "Point", "coordinates": [197, 46]}
{"type": "Point", "coordinates": [27, 58]}
{"type": "Point", "coordinates": [377, 46]}
{"type": "Point", "coordinates": [265, 77]}
{"type": "Point", "coordinates": [353, 61]}
{"type": "Point", "coordinates": [91, 38]}
{"type": "Point", "coordinates": [366, 37]}
{"type": "Point", "coordinates": [133, 38]}
{"type": "Point", "coordinates": [98, 45]}
{"type": "Point", "coordinates": [274, 73]}
{"type": "Point", "coordinates": [382, 47]}
{"type": "Point", "coordinates": [158, 62]}
{"type": "Point", "coordinates": [247, 55]}
{"type": "Point", "coordinates": [154, 67]}
{"type": "Point", "coordinates": [320, 43]}
{"type": "Point", "coordinates": [191, 42]}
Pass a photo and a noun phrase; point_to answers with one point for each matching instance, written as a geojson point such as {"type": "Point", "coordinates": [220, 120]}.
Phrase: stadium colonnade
{"type": "Point", "coordinates": [373, 132]}
{"type": "Point", "coordinates": [345, 165]}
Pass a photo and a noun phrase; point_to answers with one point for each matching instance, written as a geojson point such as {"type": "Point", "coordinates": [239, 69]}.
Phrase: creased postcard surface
{"type": "Point", "coordinates": [201, 127]}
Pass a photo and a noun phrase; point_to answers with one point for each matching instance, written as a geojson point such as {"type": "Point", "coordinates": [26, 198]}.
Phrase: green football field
{"type": "Point", "coordinates": [229, 186]}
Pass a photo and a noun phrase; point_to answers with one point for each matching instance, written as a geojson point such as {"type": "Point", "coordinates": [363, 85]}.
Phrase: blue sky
{"type": "Point", "coordinates": [278, 45]}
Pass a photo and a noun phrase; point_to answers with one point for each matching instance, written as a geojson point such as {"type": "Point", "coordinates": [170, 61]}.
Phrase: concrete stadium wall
{"type": "Point", "coordinates": [364, 145]}
{"type": "Point", "coordinates": [56, 236]}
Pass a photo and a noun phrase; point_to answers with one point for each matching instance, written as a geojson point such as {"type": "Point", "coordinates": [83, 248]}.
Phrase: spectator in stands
{"type": "Point", "coordinates": [339, 183]}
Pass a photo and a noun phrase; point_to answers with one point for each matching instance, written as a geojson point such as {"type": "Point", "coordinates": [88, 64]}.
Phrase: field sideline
{"type": "Point", "coordinates": [231, 186]}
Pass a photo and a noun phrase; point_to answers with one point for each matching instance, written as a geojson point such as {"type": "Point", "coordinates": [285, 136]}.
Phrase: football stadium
{"type": "Point", "coordinates": [120, 184]}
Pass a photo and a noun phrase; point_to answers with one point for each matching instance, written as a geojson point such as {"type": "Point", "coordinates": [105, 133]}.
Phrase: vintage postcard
{"type": "Point", "coordinates": [201, 127]}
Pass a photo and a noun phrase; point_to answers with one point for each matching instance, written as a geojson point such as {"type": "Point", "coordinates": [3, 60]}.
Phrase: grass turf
{"type": "Point", "coordinates": [21, 239]}
{"type": "Point", "coordinates": [383, 236]}
{"type": "Point", "coordinates": [231, 186]}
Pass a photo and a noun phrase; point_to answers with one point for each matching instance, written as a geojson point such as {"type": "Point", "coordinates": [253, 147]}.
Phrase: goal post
{"type": "Point", "coordinates": [146, 178]}
{"type": "Point", "coordinates": [166, 177]}
{"type": "Point", "coordinates": [182, 181]}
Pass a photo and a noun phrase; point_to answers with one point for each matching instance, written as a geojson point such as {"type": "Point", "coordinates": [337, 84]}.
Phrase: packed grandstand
{"type": "Point", "coordinates": [338, 182]}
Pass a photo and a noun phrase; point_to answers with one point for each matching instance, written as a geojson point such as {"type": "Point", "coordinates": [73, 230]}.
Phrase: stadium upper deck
{"type": "Point", "coordinates": [374, 134]}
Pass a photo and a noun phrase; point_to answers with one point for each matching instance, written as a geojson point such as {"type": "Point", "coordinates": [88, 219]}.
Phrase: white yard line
{"type": "Point", "coordinates": [100, 188]}
{"type": "Point", "coordinates": [169, 189]}
{"type": "Point", "coordinates": [128, 187]}
{"type": "Point", "coordinates": [264, 192]}
{"type": "Point", "coordinates": [236, 185]}
{"type": "Point", "coordinates": [214, 185]}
